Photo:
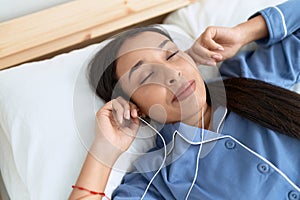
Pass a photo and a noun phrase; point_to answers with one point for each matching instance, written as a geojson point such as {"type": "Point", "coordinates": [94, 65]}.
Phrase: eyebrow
{"type": "Point", "coordinates": [140, 62]}
{"type": "Point", "coordinates": [135, 67]}
{"type": "Point", "coordinates": [163, 43]}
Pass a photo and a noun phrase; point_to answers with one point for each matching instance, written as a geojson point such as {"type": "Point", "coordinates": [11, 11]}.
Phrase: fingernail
{"type": "Point", "coordinates": [221, 48]}
{"type": "Point", "coordinates": [211, 63]}
{"type": "Point", "coordinates": [127, 114]}
{"type": "Point", "coordinates": [217, 57]}
{"type": "Point", "coordinates": [120, 119]}
{"type": "Point", "coordinates": [134, 113]}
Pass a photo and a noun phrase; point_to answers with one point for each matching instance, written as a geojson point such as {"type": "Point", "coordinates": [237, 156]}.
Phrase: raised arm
{"type": "Point", "coordinates": [282, 20]}
{"type": "Point", "coordinates": [117, 125]}
{"type": "Point", "coordinates": [267, 27]}
{"type": "Point", "coordinates": [227, 41]}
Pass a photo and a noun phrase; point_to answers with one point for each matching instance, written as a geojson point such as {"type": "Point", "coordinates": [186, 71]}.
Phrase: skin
{"type": "Point", "coordinates": [114, 136]}
{"type": "Point", "coordinates": [162, 73]}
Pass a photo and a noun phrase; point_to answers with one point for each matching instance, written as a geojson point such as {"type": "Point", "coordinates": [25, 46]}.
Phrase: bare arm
{"type": "Point", "coordinates": [94, 176]}
{"type": "Point", "coordinates": [254, 29]}
{"type": "Point", "coordinates": [94, 173]}
{"type": "Point", "coordinates": [226, 42]}
{"type": "Point", "coordinates": [112, 139]}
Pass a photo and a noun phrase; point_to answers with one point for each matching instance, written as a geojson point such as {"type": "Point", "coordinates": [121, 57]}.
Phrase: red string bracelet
{"type": "Point", "coordinates": [90, 191]}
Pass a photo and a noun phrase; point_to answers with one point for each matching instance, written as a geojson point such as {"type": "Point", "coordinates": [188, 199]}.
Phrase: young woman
{"type": "Point", "coordinates": [242, 145]}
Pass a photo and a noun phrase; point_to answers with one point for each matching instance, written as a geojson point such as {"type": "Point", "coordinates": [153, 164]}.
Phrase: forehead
{"type": "Point", "coordinates": [133, 50]}
{"type": "Point", "coordinates": [142, 40]}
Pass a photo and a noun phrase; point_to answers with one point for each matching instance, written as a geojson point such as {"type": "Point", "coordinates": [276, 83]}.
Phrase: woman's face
{"type": "Point", "coordinates": [163, 81]}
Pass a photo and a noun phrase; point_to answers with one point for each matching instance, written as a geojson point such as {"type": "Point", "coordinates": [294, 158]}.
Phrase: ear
{"type": "Point", "coordinates": [145, 118]}
{"type": "Point", "coordinates": [143, 115]}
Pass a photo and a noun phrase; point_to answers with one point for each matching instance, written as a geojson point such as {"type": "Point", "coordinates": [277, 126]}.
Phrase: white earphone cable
{"type": "Point", "coordinates": [164, 160]}
{"type": "Point", "coordinates": [198, 158]}
{"type": "Point", "coordinates": [199, 152]}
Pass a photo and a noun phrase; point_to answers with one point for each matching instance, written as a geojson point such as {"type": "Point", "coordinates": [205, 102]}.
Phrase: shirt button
{"type": "Point", "coordinates": [229, 144]}
{"type": "Point", "coordinates": [293, 195]}
{"type": "Point", "coordinates": [263, 168]}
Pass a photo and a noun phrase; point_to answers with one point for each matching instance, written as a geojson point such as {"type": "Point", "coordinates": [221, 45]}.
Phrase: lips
{"type": "Point", "coordinates": [184, 91]}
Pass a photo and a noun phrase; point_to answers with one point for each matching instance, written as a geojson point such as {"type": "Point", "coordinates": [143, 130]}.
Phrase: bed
{"type": "Point", "coordinates": [46, 106]}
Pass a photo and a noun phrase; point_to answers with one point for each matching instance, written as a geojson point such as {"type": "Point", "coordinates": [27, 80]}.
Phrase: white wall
{"type": "Point", "coordinates": [10, 9]}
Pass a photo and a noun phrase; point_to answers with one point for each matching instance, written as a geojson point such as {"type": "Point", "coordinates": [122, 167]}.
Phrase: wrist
{"type": "Point", "coordinates": [252, 30]}
{"type": "Point", "coordinates": [242, 35]}
{"type": "Point", "coordinates": [94, 175]}
{"type": "Point", "coordinates": [105, 152]}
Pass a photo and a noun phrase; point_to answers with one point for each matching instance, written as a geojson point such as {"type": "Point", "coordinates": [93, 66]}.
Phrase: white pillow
{"type": "Point", "coordinates": [47, 122]}
{"type": "Point", "coordinates": [195, 18]}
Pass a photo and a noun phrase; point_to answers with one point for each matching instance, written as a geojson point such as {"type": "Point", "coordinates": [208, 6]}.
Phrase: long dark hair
{"type": "Point", "coordinates": [268, 105]}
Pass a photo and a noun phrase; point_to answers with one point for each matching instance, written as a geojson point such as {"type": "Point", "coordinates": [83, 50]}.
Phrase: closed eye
{"type": "Point", "coordinates": [144, 80]}
{"type": "Point", "coordinates": [173, 54]}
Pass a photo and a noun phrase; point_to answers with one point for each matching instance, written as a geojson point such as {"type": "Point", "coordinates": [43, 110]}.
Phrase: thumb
{"type": "Point", "coordinates": [207, 39]}
{"type": "Point", "coordinates": [212, 45]}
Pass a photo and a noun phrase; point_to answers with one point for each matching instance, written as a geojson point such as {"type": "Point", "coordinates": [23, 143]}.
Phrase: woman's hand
{"type": "Point", "coordinates": [229, 39]}
{"type": "Point", "coordinates": [220, 43]}
{"type": "Point", "coordinates": [117, 125]}
{"type": "Point", "coordinates": [216, 44]}
{"type": "Point", "coordinates": [203, 55]}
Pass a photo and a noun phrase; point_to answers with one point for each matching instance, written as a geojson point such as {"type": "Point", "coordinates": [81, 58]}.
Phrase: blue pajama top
{"type": "Point", "coordinates": [238, 159]}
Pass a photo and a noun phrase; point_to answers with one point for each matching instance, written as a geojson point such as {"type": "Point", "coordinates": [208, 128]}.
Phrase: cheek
{"type": "Point", "coordinates": [151, 100]}
{"type": "Point", "coordinates": [158, 113]}
{"type": "Point", "coordinates": [147, 96]}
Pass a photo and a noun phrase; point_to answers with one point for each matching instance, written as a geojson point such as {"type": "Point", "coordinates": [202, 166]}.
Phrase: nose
{"type": "Point", "coordinates": [173, 76]}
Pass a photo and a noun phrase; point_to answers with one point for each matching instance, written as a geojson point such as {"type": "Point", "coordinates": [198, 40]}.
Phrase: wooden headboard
{"type": "Point", "coordinates": [74, 25]}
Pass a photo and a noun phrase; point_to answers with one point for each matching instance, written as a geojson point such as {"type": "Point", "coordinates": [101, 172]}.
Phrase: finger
{"type": "Point", "coordinates": [104, 110]}
{"type": "Point", "coordinates": [207, 39]}
{"type": "Point", "coordinates": [126, 107]}
{"type": "Point", "coordinates": [198, 52]}
{"type": "Point", "coordinates": [205, 61]}
{"type": "Point", "coordinates": [210, 57]}
{"type": "Point", "coordinates": [209, 63]}
{"type": "Point", "coordinates": [118, 111]}
{"type": "Point", "coordinates": [212, 45]}
{"type": "Point", "coordinates": [202, 55]}
{"type": "Point", "coordinates": [134, 113]}
{"type": "Point", "coordinates": [133, 110]}
{"type": "Point", "coordinates": [217, 57]}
